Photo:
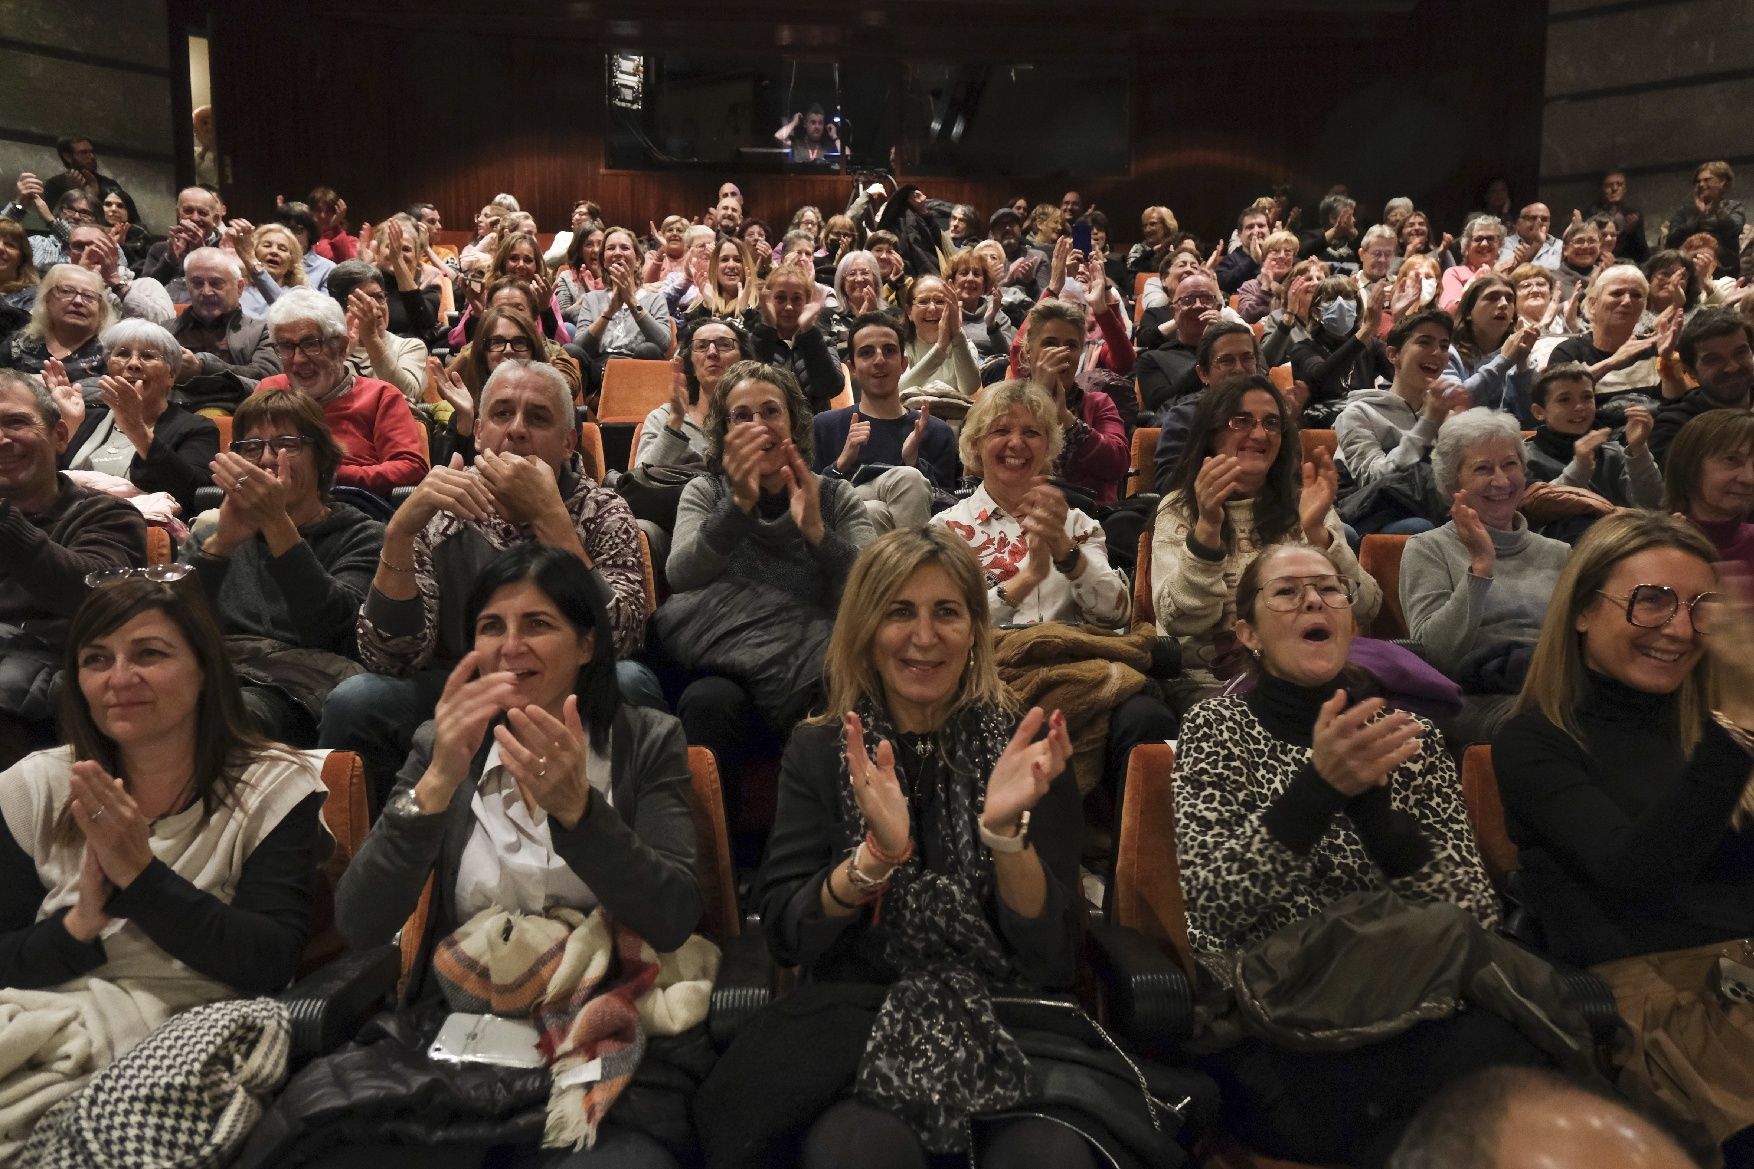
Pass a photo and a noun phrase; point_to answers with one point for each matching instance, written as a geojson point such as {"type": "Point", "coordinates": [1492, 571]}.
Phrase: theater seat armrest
{"type": "Point", "coordinates": [1594, 999]}
{"type": "Point", "coordinates": [330, 1005]}
{"type": "Point", "coordinates": [399, 495]}
{"type": "Point", "coordinates": [745, 984]}
{"type": "Point", "coordinates": [206, 499]}
{"type": "Point", "coordinates": [1149, 999]}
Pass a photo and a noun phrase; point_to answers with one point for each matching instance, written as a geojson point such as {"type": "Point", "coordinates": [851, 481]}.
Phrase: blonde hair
{"type": "Point", "coordinates": [38, 328]}
{"type": "Point", "coordinates": [992, 404]}
{"type": "Point", "coordinates": [1558, 676]}
{"type": "Point", "coordinates": [1280, 239]}
{"type": "Point", "coordinates": [882, 570]}
{"type": "Point", "coordinates": [295, 268]}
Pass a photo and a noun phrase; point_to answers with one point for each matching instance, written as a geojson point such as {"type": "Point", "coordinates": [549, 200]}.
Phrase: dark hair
{"type": "Point", "coordinates": [575, 251]}
{"type": "Point", "coordinates": [1328, 290]}
{"type": "Point", "coordinates": [1462, 335]}
{"type": "Point", "coordinates": [281, 407]}
{"type": "Point", "coordinates": [64, 146]}
{"type": "Point", "coordinates": [743, 228]}
{"type": "Point", "coordinates": [1563, 371]}
{"type": "Point", "coordinates": [1248, 585]}
{"type": "Point", "coordinates": [1674, 258]}
{"type": "Point", "coordinates": [415, 210]}
{"type": "Point", "coordinates": [501, 283]}
{"type": "Point", "coordinates": [1210, 338]}
{"type": "Point", "coordinates": [1405, 327]}
{"type": "Point", "coordinates": [1330, 208]}
{"type": "Point", "coordinates": [1248, 213]}
{"type": "Point", "coordinates": [1276, 504]}
{"type": "Point", "coordinates": [1705, 436]}
{"type": "Point", "coordinates": [880, 319]}
{"type": "Point", "coordinates": [324, 197]}
{"type": "Point", "coordinates": [475, 371]}
{"type": "Point", "coordinates": [503, 252]}
{"type": "Point", "coordinates": [226, 741]}
{"type": "Point", "coordinates": [297, 217]}
{"type": "Point", "coordinates": [1707, 324]}
{"type": "Point", "coordinates": [882, 237]}
{"type": "Point", "coordinates": [718, 420]}
{"type": "Point", "coordinates": [1095, 219]}
{"type": "Point", "coordinates": [349, 275]}
{"type": "Point", "coordinates": [578, 594]}
{"type": "Point", "coordinates": [70, 198]}
{"type": "Point", "coordinates": [685, 342]}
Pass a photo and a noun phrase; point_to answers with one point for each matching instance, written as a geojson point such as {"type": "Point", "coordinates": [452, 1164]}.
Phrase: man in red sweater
{"type": "Point", "coordinates": [371, 419]}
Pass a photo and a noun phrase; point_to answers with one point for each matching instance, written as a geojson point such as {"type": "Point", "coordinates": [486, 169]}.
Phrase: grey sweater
{"type": "Point", "coordinates": [309, 597]}
{"type": "Point", "coordinates": [714, 537]}
{"type": "Point", "coordinates": [1618, 477]}
{"type": "Point", "coordinates": [1451, 612]}
{"type": "Point", "coordinates": [1378, 433]}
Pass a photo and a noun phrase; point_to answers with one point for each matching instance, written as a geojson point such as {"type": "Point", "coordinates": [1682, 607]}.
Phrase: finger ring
{"type": "Point", "coordinates": [97, 813]}
{"type": "Point", "coordinates": [241, 482]}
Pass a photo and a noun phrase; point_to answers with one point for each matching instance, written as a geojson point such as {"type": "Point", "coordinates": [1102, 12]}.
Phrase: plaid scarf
{"type": "Point", "coordinates": [593, 989]}
{"type": "Point", "coordinates": [937, 1055]}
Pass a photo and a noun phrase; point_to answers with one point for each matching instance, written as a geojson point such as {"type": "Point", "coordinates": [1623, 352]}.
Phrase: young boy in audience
{"type": "Point", "coordinates": [1569, 449]}
{"type": "Point", "coordinates": [893, 455]}
{"type": "Point", "coordinates": [1381, 432]}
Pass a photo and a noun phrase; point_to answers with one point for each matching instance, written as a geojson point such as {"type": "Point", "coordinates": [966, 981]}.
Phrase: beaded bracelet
{"type": "Point", "coordinates": [893, 862]}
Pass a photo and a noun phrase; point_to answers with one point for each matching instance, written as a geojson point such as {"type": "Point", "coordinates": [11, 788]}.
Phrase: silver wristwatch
{"type": "Point", "coordinates": [404, 805]}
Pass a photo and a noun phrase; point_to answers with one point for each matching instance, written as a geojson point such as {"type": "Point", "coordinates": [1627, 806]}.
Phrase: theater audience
{"type": "Point", "coordinates": [1228, 349]}
{"type": "Point", "coordinates": [732, 287]}
{"type": "Point", "coordinates": [526, 486]}
{"type": "Point", "coordinates": [1241, 486]}
{"type": "Point", "coordinates": [333, 242]}
{"type": "Point", "coordinates": [1164, 362]}
{"type": "Point", "coordinates": [937, 348]}
{"type": "Point", "coordinates": [762, 520]}
{"type": "Point", "coordinates": [976, 871]}
{"type": "Point", "coordinates": [160, 859]}
{"type": "Point", "coordinates": [891, 456]}
{"type": "Point", "coordinates": [1619, 359]}
{"type": "Point", "coordinates": [1581, 258]}
{"type": "Point", "coordinates": [1710, 210]}
{"type": "Point", "coordinates": [1675, 283]}
{"type": "Point", "coordinates": [533, 790]}
{"type": "Point", "coordinates": [1625, 781]}
{"type": "Point", "coordinates": [1568, 448]}
{"type": "Point", "coordinates": [507, 331]}
{"type": "Point", "coordinates": [130, 296]}
{"type": "Point", "coordinates": [1475, 589]}
{"type": "Point", "coordinates": [621, 319]}
{"type": "Point", "coordinates": [133, 434]}
{"type": "Point", "coordinates": [70, 313]}
{"type": "Point", "coordinates": [786, 332]}
{"type": "Point", "coordinates": [413, 302]}
{"type": "Point", "coordinates": [1717, 351]}
{"type": "Point", "coordinates": [1708, 477]}
{"type": "Point", "coordinates": [1625, 219]}
{"type": "Point", "coordinates": [53, 534]}
{"type": "Point", "coordinates": [1257, 295]}
{"type": "Point", "coordinates": [384, 446]}
{"type": "Point", "coordinates": [1304, 791]}
{"type": "Point", "coordinates": [284, 564]}
{"type": "Point", "coordinates": [297, 218]}
{"type": "Point", "coordinates": [200, 214]}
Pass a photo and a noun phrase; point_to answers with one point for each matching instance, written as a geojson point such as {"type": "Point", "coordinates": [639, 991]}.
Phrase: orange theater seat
{"type": "Point", "coordinates": [632, 388]}
{"type": "Point", "coordinates": [1380, 556]}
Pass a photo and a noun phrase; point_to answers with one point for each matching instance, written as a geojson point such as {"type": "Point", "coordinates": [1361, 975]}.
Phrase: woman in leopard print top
{"type": "Point", "coordinates": [1288, 799]}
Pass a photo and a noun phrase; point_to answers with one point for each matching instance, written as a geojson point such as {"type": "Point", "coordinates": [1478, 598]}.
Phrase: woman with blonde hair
{"type": "Point", "coordinates": [274, 261]}
{"type": "Point", "coordinates": [72, 309]}
{"type": "Point", "coordinates": [1156, 225]}
{"type": "Point", "coordinates": [1625, 781]}
{"type": "Point", "coordinates": [731, 287]}
{"type": "Point", "coordinates": [923, 864]}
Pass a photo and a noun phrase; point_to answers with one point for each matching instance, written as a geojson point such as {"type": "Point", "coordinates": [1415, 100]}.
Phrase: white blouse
{"type": "Point", "coordinates": [510, 862]}
{"type": "Point", "coordinates": [1100, 595]}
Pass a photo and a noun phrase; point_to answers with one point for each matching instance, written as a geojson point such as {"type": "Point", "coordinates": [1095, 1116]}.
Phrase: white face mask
{"type": "Point", "coordinates": [1427, 289]}
{"type": "Point", "coordinates": [1339, 315]}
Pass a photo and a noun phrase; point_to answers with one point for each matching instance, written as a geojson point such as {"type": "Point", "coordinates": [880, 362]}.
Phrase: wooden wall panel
{"type": "Point", "coordinates": [394, 101]}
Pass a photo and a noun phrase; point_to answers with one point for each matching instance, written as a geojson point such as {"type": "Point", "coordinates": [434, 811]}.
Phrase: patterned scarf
{"type": "Point", "coordinates": [588, 984]}
{"type": "Point", "coordinates": [937, 1055]}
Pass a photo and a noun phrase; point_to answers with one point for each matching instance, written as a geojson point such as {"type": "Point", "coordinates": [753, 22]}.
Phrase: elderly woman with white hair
{"type": "Point", "coordinates": [1620, 361]}
{"type": "Point", "coordinates": [71, 309]}
{"type": "Point", "coordinates": [1475, 591]}
{"type": "Point", "coordinates": [132, 431]}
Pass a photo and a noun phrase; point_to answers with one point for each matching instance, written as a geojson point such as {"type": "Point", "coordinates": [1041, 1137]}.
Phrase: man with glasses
{"type": "Point", "coordinates": [1163, 368]}
{"type": "Point", "coordinates": [385, 446]}
{"type": "Point", "coordinates": [72, 209]}
{"type": "Point", "coordinates": [90, 247]}
{"type": "Point", "coordinates": [527, 484]}
{"type": "Point", "coordinates": [80, 173]}
{"type": "Point", "coordinates": [892, 455]}
{"type": "Point", "coordinates": [225, 353]}
{"type": "Point", "coordinates": [1532, 243]}
{"type": "Point", "coordinates": [52, 535]}
{"type": "Point", "coordinates": [1227, 350]}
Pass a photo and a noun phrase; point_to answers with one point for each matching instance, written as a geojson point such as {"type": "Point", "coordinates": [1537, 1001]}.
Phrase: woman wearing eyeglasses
{"type": "Point", "coordinates": [1708, 476]}
{"type": "Point", "coordinates": [71, 309]}
{"type": "Point", "coordinates": [1243, 486]}
{"type": "Point", "coordinates": [675, 432]}
{"type": "Point", "coordinates": [134, 437]}
{"type": "Point", "coordinates": [285, 566]}
{"type": "Point", "coordinates": [1305, 791]}
{"type": "Point", "coordinates": [1475, 590]}
{"type": "Point", "coordinates": [1625, 781]}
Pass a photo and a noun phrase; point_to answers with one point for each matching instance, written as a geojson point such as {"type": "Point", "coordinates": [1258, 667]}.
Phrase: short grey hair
{"type": "Point", "coordinates": [1380, 231]}
{"type": "Point", "coordinates": [541, 371]}
{"type": "Point", "coordinates": [137, 332]}
{"type": "Point", "coordinates": [1396, 204]}
{"type": "Point", "coordinates": [1463, 432]}
{"type": "Point", "coordinates": [1617, 272]}
{"type": "Point", "coordinates": [298, 305]}
{"type": "Point", "coordinates": [45, 401]}
{"type": "Point", "coordinates": [1483, 224]}
{"type": "Point", "coordinates": [217, 256]}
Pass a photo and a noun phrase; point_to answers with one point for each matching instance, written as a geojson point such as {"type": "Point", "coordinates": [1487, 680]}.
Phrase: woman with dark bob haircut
{"type": "Point", "coordinates": [285, 566]}
{"type": "Point", "coordinates": [163, 857]}
{"type": "Point", "coordinates": [532, 789]}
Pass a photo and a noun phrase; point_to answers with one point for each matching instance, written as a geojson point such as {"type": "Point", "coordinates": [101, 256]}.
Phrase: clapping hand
{"type": "Point", "coordinates": [877, 789]}
{"type": "Point", "coordinates": [449, 489]}
{"type": "Point", "coordinates": [1354, 751]}
{"type": "Point", "coordinates": [1321, 486]}
{"type": "Point", "coordinates": [1638, 428]}
{"type": "Point", "coordinates": [1025, 771]}
{"type": "Point", "coordinates": [465, 710]}
{"type": "Point", "coordinates": [1474, 537]}
{"type": "Point", "coordinates": [910, 446]}
{"type": "Point", "coordinates": [127, 407]}
{"type": "Point", "coordinates": [69, 398]}
{"type": "Point", "coordinates": [745, 445]}
{"type": "Point", "coordinates": [804, 494]}
{"type": "Point", "coordinates": [548, 758]}
{"type": "Point", "coordinates": [1585, 448]}
{"type": "Point", "coordinates": [1213, 486]}
{"type": "Point", "coordinates": [111, 823]}
{"type": "Point", "coordinates": [450, 387]}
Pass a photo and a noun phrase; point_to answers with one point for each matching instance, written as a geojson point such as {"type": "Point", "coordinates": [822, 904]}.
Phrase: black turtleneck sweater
{"type": "Point", "coordinates": [1625, 843]}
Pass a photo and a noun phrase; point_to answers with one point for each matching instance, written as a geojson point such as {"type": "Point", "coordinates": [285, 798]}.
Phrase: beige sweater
{"type": "Point", "coordinates": [1195, 598]}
